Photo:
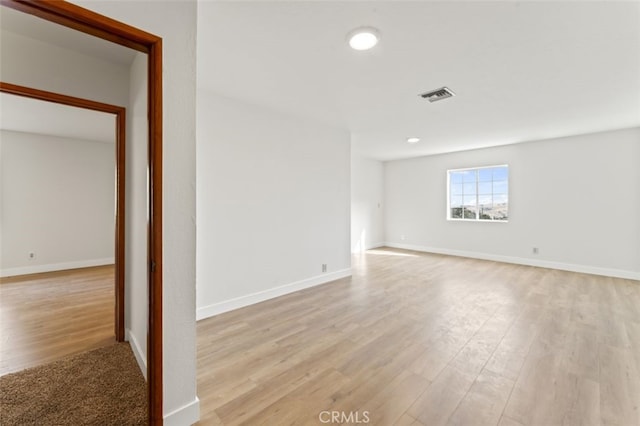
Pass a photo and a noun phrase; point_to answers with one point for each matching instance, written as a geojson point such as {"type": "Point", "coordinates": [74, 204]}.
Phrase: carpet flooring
{"type": "Point", "coordinates": [100, 387]}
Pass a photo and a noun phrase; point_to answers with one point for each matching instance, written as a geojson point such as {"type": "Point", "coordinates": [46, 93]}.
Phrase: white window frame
{"type": "Point", "coordinates": [477, 219]}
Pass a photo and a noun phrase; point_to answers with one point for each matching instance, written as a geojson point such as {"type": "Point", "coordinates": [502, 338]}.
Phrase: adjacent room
{"type": "Point", "coordinates": [58, 225]}
{"type": "Point", "coordinates": [391, 213]}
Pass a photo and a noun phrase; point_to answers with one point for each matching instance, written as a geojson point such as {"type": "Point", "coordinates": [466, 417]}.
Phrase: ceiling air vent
{"type": "Point", "coordinates": [438, 94]}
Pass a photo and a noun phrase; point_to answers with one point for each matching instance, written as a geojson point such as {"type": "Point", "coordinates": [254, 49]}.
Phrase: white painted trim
{"type": "Point", "coordinates": [188, 414]}
{"type": "Point", "coordinates": [261, 296]}
{"type": "Point", "coordinates": [585, 269]}
{"type": "Point", "coordinates": [374, 246]}
{"type": "Point", "coordinates": [141, 358]}
{"type": "Point", "coordinates": [368, 247]}
{"type": "Point", "coordinates": [37, 269]}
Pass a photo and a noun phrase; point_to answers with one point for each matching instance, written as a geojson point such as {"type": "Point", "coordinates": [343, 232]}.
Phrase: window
{"type": "Point", "coordinates": [478, 194]}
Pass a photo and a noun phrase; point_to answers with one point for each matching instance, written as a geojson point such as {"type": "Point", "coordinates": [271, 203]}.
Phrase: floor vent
{"type": "Point", "coordinates": [438, 94]}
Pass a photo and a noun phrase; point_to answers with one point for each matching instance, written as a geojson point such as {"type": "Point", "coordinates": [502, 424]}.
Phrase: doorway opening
{"type": "Point", "coordinates": [55, 188]}
{"type": "Point", "coordinates": [63, 198]}
{"type": "Point", "coordinates": [94, 24]}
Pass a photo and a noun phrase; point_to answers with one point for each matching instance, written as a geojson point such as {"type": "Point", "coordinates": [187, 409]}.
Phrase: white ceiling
{"type": "Point", "coordinates": [22, 114]}
{"type": "Point", "coordinates": [521, 70]}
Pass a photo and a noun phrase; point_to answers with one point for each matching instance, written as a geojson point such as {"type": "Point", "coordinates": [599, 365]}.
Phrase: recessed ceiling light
{"type": "Point", "coordinates": [413, 140]}
{"type": "Point", "coordinates": [363, 38]}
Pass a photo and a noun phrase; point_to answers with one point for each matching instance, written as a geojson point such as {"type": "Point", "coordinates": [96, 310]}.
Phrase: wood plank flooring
{"type": "Point", "coordinates": [421, 339]}
{"type": "Point", "coordinates": [44, 317]}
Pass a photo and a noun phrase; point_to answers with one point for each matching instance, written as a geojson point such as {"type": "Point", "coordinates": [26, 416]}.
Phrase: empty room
{"type": "Point", "coordinates": [490, 152]}
{"type": "Point", "coordinates": [389, 213]}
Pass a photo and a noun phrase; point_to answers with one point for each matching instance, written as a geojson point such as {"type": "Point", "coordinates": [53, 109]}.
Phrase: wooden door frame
{"type": "Point", "coordinates": [120, 144]}
{"type": "Point", "coordinates": [89, 22]}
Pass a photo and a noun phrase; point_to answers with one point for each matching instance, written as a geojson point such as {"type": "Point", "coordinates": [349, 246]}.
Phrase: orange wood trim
{"type": "Point", "coordinates": [81, 19]}
{"type": "Point", "coordinates": [58, 98]}
{"type": "Point", "coordinates": [120, 148]}
{"type": "Point", "coordinates": [155, 227]}
{"type": "Point", "coordinates": [121, 120]}
{"type": "Point", "coordinates": [87, 21]}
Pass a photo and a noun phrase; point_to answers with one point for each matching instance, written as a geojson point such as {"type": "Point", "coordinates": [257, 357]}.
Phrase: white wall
{"type": "Point", "coordinates": [57, 201]}
{"type": "Point", "coordinates": [367, 196]}
{"type": "Point", "coordinates": [577, 199]}
{"type": "Point", "coordinates": [272, 201]}
{"type": "Point", "coordinates": [175, 22]}
{"type": "Point", "coordinates": [137, 202]}
{"type": "Point", "coordinates": [41, 65]}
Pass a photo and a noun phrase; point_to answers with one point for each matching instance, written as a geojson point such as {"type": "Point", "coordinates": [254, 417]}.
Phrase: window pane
{"type": "Point", "coordinates": [455, 189]}
{"type": "Point", "coordinates": [469, 176]}
{"type": "Point", "coordinates": [469, 188]}
{"type": "Point", "coordinates": [500, 212]}
{"type": "Point", "coordinates": [484, 175]}
{"type": "Point", "coordinates": [486, 199]}
{"type": "Point", "coordinates": [469, 200]}
{"type": "Point", "coordinates": [469, 213]}
{"type": "Point", "coordinates": [484, 188]}
{"type": "Point", "coordinates": [456, 213]}
{"type": "Point", "coordinates": [500, 199]}
{"type": "Point", "coordinates": [485, 212]}
{"type": "Point", "coordinates": [500, 173]}
{"type": "Point", "coordinates": [500, 187]}
{"type": "Point", "coordinates": [455, 177]}
{"type": "Point", "coordinates": [456, 201]}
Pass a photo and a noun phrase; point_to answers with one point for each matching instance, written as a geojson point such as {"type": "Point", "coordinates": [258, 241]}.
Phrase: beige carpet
{"type": "Point", "coordinates": [101, 387]}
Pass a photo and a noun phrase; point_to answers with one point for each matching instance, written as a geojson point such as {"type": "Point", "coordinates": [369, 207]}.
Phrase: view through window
{"type": "Point", "coordinates": [479, 194]}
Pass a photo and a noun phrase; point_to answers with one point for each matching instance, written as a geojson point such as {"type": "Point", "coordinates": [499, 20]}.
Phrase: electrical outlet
{"type": "Point", "coordinates": [31, 255]}
{"type": "Point", "coordinates": [535, 250]}
{"type": "Point", "coordinates": [324, 267]}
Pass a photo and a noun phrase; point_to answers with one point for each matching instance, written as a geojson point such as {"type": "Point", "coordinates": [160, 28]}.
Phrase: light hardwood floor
{"type": "Point", "coordinates": [44, 317]}
{"type": "Point", "coordinates": [421, 339]}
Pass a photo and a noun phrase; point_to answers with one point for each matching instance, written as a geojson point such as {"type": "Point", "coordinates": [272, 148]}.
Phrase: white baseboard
{"type": "Point", "coordinates": [368, 247]}
{"type": "Point", "coordinates": [189, 413]}
{"type": "Point", "coordinates": [141, 357]}
{"type": "Point", "coordinates": [186, 415]}
{"type": "Point", "coordinates": [585, 269]}
{"type": "Point", "coordinates": [261, 296]}
{"type": "Point", "coordinates": [375, 246]}
{"type": "Point", "coordinates": [37, 269]}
